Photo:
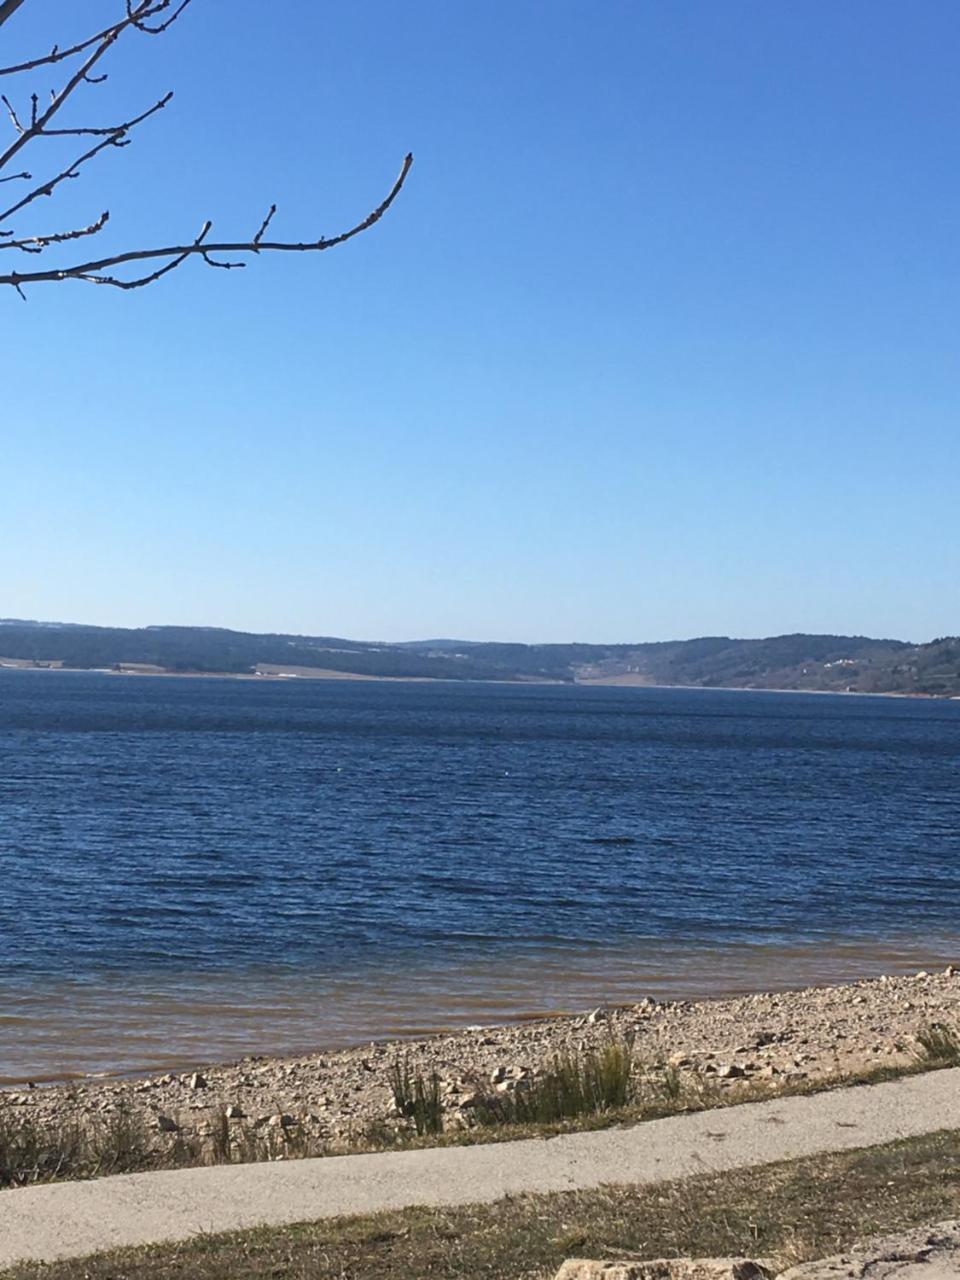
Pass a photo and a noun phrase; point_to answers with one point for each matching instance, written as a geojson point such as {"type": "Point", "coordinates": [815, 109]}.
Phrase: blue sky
{"type": "Point", "coordinates": [661, 339]}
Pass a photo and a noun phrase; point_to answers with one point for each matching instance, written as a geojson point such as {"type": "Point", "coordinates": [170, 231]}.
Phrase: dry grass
{"type": "Point", "coordinates": [939, 1045]}
{"type": "Point", "coordinates": [124, 1142]}
{"type": "Point", "coordinates": [791, 1212]}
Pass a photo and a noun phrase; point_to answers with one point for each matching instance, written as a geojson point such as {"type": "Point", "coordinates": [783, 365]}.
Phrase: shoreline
{"type": "Point", "coordinates": [602, 682]}
{"type": "Point", "coordinates": [780, 1038]}
{"type": "Point", "coordinates": [121, 1028]}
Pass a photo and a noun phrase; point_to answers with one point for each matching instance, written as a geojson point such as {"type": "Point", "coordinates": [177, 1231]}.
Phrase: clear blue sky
{"type": "Point", "coordinates": [661, 339]}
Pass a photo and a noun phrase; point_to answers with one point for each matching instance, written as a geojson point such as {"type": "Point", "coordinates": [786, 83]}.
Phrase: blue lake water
{"type": "Point", "coordinates": [195, 868]}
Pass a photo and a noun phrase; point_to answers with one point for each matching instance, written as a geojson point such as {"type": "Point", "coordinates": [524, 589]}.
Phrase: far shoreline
{"type": "Point", "coordinates": [321, 674]}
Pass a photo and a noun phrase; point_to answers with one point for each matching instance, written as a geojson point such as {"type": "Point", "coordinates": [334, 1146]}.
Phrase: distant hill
{"type": "Point", "coordinates": [838, 663]}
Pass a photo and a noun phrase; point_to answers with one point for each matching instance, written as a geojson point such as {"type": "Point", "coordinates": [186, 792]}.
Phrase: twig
{"type": "Point", "coordinates": [37, 244]}
{"type": "Point", "coordinates": [263, 226]}
{"type": "Point", "coordinates": [14, 118]}
{"type": "Point", "coordinates": [140, 22]}
{"type": "Point", "coordinates": [102, 131]}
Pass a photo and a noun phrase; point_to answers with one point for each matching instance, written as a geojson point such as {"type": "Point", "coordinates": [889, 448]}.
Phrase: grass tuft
{"type": "Point", "coordinates": [417, 1098]}
{"type": "Point", "coordinates": [34, 1151]}
{"type": "Point", "coordinates": [939, 1045]}
{"type": "Point", "coordinates": [671, 1085]}
{"type": "Point", "coordinates": [592, 1083]}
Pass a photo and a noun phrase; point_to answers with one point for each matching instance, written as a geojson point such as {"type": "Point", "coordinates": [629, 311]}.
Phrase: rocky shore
{"type": "Point", "coordinates": [342, 1097]}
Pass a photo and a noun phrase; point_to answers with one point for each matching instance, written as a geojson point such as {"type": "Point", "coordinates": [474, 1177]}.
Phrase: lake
{"type": "Point", "coordinates": [197, 868]}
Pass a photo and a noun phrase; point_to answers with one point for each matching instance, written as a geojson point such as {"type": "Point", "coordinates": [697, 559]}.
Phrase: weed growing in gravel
{"type": "Point", "coordinates": [33, 1150]}
{"type": "Point", "coordinates": [417, 1098]}
{"type": "Point", "coordinates": [939, 1045]}
{"type": "Point", "coordinates": [591, 1083]}
{"type": "Point", "coordinates": [671, 1085]}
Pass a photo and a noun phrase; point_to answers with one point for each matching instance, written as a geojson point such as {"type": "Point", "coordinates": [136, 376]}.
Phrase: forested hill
{"type": "Point", "coordinates": [843, 663]}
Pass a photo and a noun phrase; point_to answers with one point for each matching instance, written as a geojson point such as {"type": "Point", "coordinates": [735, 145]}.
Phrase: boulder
{"type": "Point", "coordinates": [928, 1253]}
{"type": "Point", "coordinates": [666, 1269]}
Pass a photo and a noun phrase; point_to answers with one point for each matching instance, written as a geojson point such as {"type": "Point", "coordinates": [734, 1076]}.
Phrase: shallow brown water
{"type": "Point", "coordinates": [77, 1029]}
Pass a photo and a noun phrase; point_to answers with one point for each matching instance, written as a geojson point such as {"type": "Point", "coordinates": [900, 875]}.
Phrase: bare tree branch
{"type": "Point", "coordinates": [118, 139]}
{"type": "Point", "coordinates": [112, 130]}
{"type": "Point", "coordinates": [8, 8]}
{"type": "Point", "coordinates": [196, 247]}
{"type": "Point", "coordinates": [139, 19]}
{"type": "Point", "coordinates": [152, 17]}
{"type": "Point", "coordinates": [57, 54]}
{"type": "Point", "coordinates": [93, 272]}
{"type": "Point", "coordinates": [40, 122]}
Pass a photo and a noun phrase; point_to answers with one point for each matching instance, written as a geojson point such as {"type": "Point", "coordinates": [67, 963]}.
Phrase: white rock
{"type": "Point", "coordinates": [927, 1253]}
{"type": "Point", "coordinates": [731, 1072]}
{"type": "Point", "coordinates": [665, 1269]}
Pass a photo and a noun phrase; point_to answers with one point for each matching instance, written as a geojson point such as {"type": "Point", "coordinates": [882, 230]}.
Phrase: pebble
{"type": "Point", "coordinates": [731, 1072]}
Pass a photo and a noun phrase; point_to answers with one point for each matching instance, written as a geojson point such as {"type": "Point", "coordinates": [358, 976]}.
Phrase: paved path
{"type": "Point", "coordinates": [75, 1218]}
